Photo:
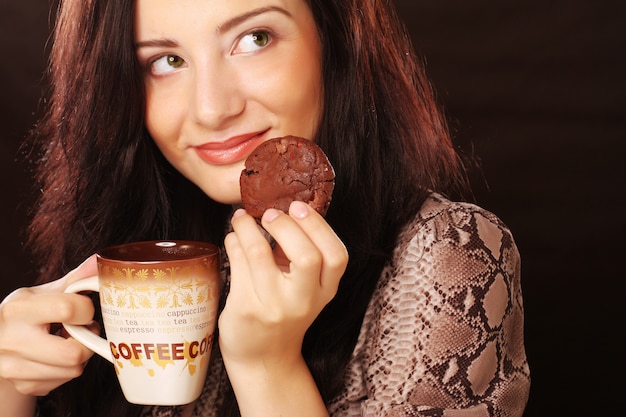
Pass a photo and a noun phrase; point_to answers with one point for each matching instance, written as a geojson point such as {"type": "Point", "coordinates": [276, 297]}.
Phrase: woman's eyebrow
{"type": "Point", "coordinates": [156, 43]}
{"type": "Point", "coordinates": [224, 27]}
{"type": "Point", "coordinates": [229, 24]}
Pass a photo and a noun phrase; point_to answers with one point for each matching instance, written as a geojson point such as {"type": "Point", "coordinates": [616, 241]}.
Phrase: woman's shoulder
{"type": "Point", "coordinates": [448, 307]}
{"type": "Point", "coordinates": [437, 208]}
{"type": "Point", "coordinates": [461, 223]}
{"type": "Point", "coordinates": [446, 233]}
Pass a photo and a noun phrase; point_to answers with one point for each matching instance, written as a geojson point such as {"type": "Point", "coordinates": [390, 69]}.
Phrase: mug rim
{"type": "Point", "coordinates": [154, 251]}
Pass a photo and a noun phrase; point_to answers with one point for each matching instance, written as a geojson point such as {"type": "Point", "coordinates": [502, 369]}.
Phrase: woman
{"type": "Point", "coordinates": [144, 138]}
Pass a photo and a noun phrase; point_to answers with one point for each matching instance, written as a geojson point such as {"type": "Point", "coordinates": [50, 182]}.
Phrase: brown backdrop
{"type": "Point", "coordinates": [537, 90]}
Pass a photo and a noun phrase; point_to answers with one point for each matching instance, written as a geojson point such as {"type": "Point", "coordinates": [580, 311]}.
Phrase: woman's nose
{"type": "Point", "coordinates": [217, 97]}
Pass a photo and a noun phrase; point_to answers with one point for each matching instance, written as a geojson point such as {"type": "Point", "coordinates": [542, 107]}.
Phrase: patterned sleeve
{"type": "Point", "coordinates": [443, 336]}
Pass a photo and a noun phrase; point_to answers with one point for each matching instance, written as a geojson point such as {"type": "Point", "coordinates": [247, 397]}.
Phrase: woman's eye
{"type": "Point", "coordinates": [167, 64]}
{"type": "Point", "coordinates": [252, 42]}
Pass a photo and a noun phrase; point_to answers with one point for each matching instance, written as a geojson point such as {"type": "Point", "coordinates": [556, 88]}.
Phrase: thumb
{"type": "Point", "coordinates": [86, 269]}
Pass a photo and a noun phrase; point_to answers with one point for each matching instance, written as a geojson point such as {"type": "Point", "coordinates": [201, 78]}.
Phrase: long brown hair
{"type": "Point", "coordinates": [390, 146]}
{"type": "Point", "coordinates": [103, 181]}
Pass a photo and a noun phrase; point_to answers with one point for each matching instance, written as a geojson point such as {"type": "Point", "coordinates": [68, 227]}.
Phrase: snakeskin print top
{"type": "Point", "coordinates": [443, 333]}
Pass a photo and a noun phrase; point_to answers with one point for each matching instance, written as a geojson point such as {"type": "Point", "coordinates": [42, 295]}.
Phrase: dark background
{"type": "Point", "coordinates": [534, 88]}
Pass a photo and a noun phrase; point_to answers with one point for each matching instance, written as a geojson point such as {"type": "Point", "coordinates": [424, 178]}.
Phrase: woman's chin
{"type": "Point", "coordinates": [228, 198]}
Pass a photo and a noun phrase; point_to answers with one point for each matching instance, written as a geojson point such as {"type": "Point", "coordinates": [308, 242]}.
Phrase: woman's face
{"type": "Point", "coordinates": [222, 76]}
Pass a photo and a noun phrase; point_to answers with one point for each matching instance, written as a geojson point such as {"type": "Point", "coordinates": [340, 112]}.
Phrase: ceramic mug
{"type": "Point", "coordinates": [159, 302]}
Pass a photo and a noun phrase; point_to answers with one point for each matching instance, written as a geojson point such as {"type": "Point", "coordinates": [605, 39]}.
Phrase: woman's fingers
{"type": "Point", "coordinates": [250, 256]}
{"type": "Point", "coordinates": [312, 251]}
{"type": "Point", "coordinates": [277, 289]}
{"type": "Point", "coordinates": [64, 359]}
{"type": "Point", "coordinates": [31, 358]}
{"type": "Point", "coordinates": [309, 243]}
{"type": "Point", "coordinates": [254, 245]}
{"type": "Point", "coordinates": [334, 252]}
{"type": "Point", "coordinates": [45, 307]}
{"type": "Point", "coordinates": [300, 275]}
{"type": "Point", "coordinates": [38, 379]}
{"type": "Point", "coordinates": [25, 327]}
{"type": "Point", "coordinates": [298, 259]}
{"type": "Point", "coordinates": [86, 269]}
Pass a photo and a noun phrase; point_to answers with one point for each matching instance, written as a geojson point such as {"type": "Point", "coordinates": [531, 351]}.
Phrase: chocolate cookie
{"type": "Point", "coordinates": [282, 170]}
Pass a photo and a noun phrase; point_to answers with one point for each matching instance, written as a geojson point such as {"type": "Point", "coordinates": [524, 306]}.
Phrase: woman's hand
{"type": "Point", "coordinates": [33, 361]}
{"type": "Point", "coordinates": [275, 295]}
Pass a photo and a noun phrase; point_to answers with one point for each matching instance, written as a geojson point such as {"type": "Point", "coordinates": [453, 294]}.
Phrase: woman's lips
{"type": "Point", "coordinates": [232, 150]}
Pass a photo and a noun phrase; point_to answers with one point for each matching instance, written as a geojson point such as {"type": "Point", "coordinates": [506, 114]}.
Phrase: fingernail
{"type": "Point", "coordinates": [299, 209]}
{"type": "Point", "coordinates": [270, 214]}
{"type": "Point", "coordinates": [238, 213]}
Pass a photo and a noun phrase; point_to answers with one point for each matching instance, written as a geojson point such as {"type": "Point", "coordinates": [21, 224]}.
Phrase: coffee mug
{"type": "Point", "coordinates": [159, 302]}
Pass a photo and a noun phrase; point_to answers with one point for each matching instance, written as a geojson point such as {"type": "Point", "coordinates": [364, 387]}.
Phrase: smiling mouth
{"type": "Point", "coordinates": [230, 151]}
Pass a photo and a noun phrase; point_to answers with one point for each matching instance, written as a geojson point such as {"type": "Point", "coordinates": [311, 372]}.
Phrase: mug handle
{"type": "Point", "coordinates": [92, 341]}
